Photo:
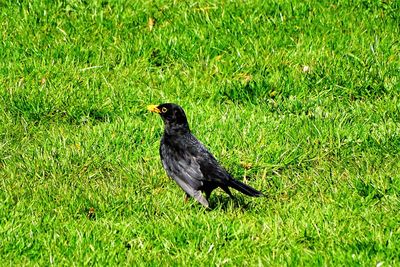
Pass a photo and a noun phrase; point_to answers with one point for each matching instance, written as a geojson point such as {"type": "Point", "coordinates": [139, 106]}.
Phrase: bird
{"type": "Point", "coordinates": [187, 161]}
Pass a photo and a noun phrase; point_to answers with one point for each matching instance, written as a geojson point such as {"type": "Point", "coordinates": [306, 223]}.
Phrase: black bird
{"type": "Point", "coordinates": [188, 162]}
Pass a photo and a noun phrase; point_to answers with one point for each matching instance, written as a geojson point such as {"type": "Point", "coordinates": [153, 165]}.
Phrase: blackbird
{"type": "Point", "coordinates": [188, 162]}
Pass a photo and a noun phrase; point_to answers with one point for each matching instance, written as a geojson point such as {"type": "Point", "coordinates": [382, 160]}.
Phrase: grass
{"type": "Point", "coordinates": [298, 98]}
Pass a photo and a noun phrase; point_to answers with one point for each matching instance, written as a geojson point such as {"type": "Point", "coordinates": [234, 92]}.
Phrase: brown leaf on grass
{"type": "Point", "coordinates": [151, 22]}
{"type": "Point", "coordinates": [246, 165]}
{"type": "Point", "coordinates": [218, 58]}
{"type": "Point", "coordinates": [245, 77]}
{"type": "Point", "coordinates": [91, 215]}
{"type": "Point", "coordinates": [21, 82]}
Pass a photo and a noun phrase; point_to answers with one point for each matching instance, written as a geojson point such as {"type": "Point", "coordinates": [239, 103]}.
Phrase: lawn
{"type": "Point", "coordinates": [299, 99]}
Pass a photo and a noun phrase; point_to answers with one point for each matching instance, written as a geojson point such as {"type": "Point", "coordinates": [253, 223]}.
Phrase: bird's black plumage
{"type": "Point", "coordinates": [188, 162]}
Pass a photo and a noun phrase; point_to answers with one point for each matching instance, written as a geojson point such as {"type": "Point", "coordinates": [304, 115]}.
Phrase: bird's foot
{"type": "Point", "coordinates": [186, 199]}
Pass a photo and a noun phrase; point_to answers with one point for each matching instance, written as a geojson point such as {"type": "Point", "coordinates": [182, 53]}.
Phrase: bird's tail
{"type": "Point", "coordinates": [244, 188]}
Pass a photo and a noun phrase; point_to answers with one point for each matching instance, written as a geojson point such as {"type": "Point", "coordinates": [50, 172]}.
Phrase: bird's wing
{"type": "Point", "coordinates": [215, 174]}
{"type": "Point", "coordinates": [210, 169]}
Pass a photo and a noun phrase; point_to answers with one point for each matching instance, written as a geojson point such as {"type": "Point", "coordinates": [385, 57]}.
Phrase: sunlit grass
{"type": "Point", "coordinates": [298, 99]}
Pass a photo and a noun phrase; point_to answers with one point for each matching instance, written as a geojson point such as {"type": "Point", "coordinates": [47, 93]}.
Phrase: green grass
{"type": "Point", "coordinates": [80, 177]}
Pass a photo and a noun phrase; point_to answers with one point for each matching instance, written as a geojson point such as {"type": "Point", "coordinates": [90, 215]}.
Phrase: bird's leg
{"type": "Point", "coordinates": [208, 193]}
{"type": "Point", "coordinates": [187, 196]}
{"type": "Point", "coordinates": [226, 189]}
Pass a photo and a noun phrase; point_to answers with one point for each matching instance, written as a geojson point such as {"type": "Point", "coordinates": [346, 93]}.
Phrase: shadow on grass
{"type": "Point", "coordinates": [225, 203]}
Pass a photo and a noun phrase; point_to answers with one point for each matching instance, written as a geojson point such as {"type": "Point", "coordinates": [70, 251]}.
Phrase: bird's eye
{"type": "Point", "coordinates": [164, 109]}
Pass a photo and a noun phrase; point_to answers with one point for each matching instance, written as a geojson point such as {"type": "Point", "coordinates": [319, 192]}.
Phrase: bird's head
{"type": "Point", "coordinates": [173, 116]}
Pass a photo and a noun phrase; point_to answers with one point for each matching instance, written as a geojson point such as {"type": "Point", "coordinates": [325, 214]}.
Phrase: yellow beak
{"type": "Point", "coordinates": [153, 108]}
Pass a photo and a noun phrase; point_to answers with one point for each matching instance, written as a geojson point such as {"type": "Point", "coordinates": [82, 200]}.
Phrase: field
{"type": "Point", "coordinates": [300, 99]}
